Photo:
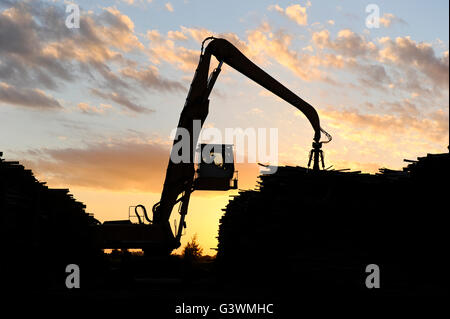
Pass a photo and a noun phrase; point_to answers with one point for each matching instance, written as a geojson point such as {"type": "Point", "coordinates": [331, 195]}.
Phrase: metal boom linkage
{"type": "Point", "coordinates": [179, 181]}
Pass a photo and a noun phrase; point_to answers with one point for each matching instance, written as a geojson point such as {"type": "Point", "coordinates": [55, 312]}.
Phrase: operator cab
{"type": "Point", "coordinates": [215, 170]}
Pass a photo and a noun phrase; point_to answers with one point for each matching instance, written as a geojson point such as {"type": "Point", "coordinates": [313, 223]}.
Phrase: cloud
{"type": "Point", "coordinates": [198, 34]}
{"type": "Point", "coordinates": [90, 109]}
{"type": "Point", "coordinates": [276, 46]}
{"type": "Point", "coordinates": [127, 165]}
{"type": "Point", "coordinates": [122, 100]}
{"type": "Point", "coordinates": [37, 51]}
{"type": "Point", "coordinates": [374, 65]}
{"type": "Point", "coordinates": [117, 166]}
{"type": "Point", "coordinates": [408, 54]}
{"type": "Point", "coordinates": [404, 107]}
{"type": "Point", "coordinates": [169, 7]}
{"type": "Point", "coordinates": [176, 35]}
{"type": "Point", "coordinates": [37, 38]}
{"type": "Point", "coordinates": [166, 49]}
{"type": "Point", "coordinates": [179, 56]}
{"type": "Point", "coordinates": [402, 63]}
{"type": "Point", "coordinates": [34, 98]}
{"type": "Point", "coordinates": [347, 43]}
{"type": "Point", "coordinates": [136, 2]}
{"type": "Point", "coordinates": [117, 30]}
{"type": "Point", "coordinates": [439, 43]}
{"type": "Point", "coordinates": [154, 36]}
{"type": "Point", "coordinates": [321, 38]}
{"type": "Point", "coordinates": [261, 45]}
{"type": "Point", "coordinates": [389, 19]}
{"type": "Point", "coordinates": [22, 62]}
{"type": "Point", "coordinates": [371, 75]}
{"type": "Point", "coordinates": [150, 78]}
{"type": "Point", "coordinates": [295, 12]}
{"type": "Point", "coordinates": [433, 127]}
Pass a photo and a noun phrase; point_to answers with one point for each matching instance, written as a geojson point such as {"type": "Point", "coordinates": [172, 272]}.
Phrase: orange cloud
{"type": "Point", "coordinates": [295, 12]}
{"type": "Point", "coordinates": [98, 38]}
{"type": "Point", "coordinates": [277, 47]}
{"type": "Point", "coordinates": [169, 7]}
{"type": "Point", "coordinates": [114, 166]}
{"type": "Point", "coordinates": [433, 128]}
{"type": "Point", "coordinates": [120, 32]}
{"type": "Point", "coordinates": [181, 57]}
{"type": "Point", "coordinates": [388, 19]}
{"type": "Point", "coordinates": [91, 109]}
{"type": "Point", "coordinates": [154, 36]}
{"type": "Point", "coordinates": [347, 43]}
{"type": "Point", "coordinates": [165, 49]}
{"type": "Point", "coordinates": [131, 165]}
{"type": "Point", "coordinates": [42, 53]}
{"type": "Point", "coordinates": [402, 63]}
{"type": "Point", "coordinates": [176, 35]}
{"type": "Point", "coordinates": [409, 54]}
{"type": "Point", "coordinates": [261, 46]}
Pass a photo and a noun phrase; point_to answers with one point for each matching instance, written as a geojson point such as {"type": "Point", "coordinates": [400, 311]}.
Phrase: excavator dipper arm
{"type": "Point", "coordinates": [178, 184]}
{"type": "Point", "coordinates": [226, 52]}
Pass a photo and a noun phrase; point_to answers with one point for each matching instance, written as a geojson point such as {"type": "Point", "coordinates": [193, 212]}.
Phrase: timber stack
{"type": "Point", "coordinates": [319, 231]}
{"type": "Point", "coordinates": [42, 230]}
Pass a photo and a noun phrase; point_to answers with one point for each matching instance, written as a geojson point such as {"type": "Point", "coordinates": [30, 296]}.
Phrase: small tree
{"type": "Point", "coordinates": [192, 251]}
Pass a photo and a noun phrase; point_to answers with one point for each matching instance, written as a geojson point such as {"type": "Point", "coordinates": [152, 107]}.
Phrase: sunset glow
{"type": "Point", "coordinates": [91, 108]}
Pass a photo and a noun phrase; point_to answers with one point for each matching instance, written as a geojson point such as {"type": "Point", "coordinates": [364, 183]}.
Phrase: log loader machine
{"type": "Point", "coordinates": [155, 235]}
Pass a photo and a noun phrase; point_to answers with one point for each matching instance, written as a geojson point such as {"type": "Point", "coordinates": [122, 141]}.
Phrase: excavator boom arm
{"type": "Point", "coordinates": [226, 52]}
{"type": "Point", "coordinates": [178, 184]}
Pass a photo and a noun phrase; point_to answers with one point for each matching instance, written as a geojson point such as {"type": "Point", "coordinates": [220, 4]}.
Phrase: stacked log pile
{"type": "Point", "coordinates": [319, 231]}
{"type": "Point", "coordinates": [41, 229]}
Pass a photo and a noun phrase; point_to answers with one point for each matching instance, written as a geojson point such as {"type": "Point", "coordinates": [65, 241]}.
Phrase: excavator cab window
{"type": "Point", "coordinates": [216, 168]}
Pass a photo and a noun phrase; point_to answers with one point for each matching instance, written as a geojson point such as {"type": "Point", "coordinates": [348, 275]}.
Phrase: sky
{"type": "Point", "coordinates": [92, 108]}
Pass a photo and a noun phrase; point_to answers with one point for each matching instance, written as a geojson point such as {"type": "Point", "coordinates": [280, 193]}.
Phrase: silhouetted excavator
{"type": "Point", "coordinates": [181, 178]}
